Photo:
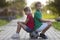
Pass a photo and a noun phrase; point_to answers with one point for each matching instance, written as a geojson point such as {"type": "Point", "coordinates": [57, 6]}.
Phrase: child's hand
{"type": "Point", "coordinates": [48, 21]}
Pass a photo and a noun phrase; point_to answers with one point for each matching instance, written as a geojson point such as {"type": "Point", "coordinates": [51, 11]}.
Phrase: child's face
{"type": "Point", "coordinates": [38, 6]}
{"type": "Point", "coordinates": [28, 12]}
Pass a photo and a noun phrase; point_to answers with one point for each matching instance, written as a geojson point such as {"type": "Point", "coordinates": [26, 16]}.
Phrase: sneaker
{"type": "Point", "coordinates": [15, 36]}
{"type": "Point", "coordinates": [43, 36]}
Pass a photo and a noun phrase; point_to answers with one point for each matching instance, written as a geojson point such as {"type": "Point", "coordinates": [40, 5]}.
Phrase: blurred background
{"type": "Point", "coordinates": [13, 9]}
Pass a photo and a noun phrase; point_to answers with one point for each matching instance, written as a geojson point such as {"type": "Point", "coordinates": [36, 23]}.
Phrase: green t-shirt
{"type": "Point", "coordinates": [37, 16]}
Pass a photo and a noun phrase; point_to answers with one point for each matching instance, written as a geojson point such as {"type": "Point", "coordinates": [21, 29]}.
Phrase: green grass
{"type": "Point", "coordinates": [17, 16]}
{"type": "Point", "coordinates": [3, 22]}
{"type": "Point", "coordinates": [56, 25]}
{"type": "Point", "coordinates": [1, 30]}
{"type": "Point", "coordinates": [49, 16]}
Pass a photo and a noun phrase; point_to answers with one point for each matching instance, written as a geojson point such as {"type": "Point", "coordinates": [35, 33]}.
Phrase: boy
{"type": "Point", "coordinates": [40, 24]}
{"type": "Point", "coordinates": [28, 25]}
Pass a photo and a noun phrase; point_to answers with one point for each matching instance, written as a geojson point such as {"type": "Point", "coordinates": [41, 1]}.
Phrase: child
{"type": "Point", "coordinates": [40, 24]}
{"type": "Point", "coordinates": [28, 25]}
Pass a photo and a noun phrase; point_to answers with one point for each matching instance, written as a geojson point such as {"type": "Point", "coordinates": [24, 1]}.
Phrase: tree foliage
{"type": "Point", "coordinates": [54, 6]}
{"type": "Point", "coordinates": [3, 3]}
{"type": "Point", "coordinates": [19, 4]}
{"type": "Point", "coordinates": [33, 6]}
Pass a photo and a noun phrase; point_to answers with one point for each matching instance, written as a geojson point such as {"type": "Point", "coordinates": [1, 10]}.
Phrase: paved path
{"type": "Point", "coordinates": [9, 30]}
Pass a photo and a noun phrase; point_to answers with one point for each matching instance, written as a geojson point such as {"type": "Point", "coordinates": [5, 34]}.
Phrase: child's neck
{"type": "Point", "coordinates": [37, 9]}
{"type": "Point", "coordinates": [28, 13]}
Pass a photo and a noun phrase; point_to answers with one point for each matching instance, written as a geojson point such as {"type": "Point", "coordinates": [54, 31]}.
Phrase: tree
{"type": "Point", "coordinates": [19, 4]}
{"type": "Point", "coordinates": [33, 6]}
{"type": "Point", "coordinates": [54, 6]}
{"type": "Point", "coordinates": [3, 3]}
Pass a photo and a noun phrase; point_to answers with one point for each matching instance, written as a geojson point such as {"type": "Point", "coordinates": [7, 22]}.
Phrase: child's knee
{"type": "Point", "coordinates": [18, 22]}
{"type": "Point", "coordinates": [50, 24]}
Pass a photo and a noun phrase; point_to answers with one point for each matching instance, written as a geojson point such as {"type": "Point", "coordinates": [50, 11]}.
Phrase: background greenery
{"type": "Point", "coordinates": [17, 4]}
{"type": "Point", "coordinates": [54, 6]}
{"type": "Point", "coordinates": [56, 25]}
{"type": "Point", "coordinates": [3, 22]}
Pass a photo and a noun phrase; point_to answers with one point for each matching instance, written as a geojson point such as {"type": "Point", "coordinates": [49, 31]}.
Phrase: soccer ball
{"type": "Point", "coordinates": [34, 35]}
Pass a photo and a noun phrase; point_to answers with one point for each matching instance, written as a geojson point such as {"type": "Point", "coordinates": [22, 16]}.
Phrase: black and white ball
{"type": "Point", "coordinates": [34, 34]}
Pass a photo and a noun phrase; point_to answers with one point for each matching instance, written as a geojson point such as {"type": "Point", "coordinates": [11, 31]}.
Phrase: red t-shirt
{"type": "Point", "coordinates": [30, 22]}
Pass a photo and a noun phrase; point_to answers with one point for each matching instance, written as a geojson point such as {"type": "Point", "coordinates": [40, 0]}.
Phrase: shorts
{"type": "Point", "coordinates": [42, 27]}
{"type": "Point", "coordinates": [28, 29]}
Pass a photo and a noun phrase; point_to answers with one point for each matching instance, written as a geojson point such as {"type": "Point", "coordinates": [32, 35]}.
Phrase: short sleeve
{"type": "Point", "coordinates": [38, 15]}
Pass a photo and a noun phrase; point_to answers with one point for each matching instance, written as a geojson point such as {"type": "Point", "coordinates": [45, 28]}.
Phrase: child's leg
{"type": "Point", "coordinates": [43, 28]}
{"type": "Point", "coordinates": [18, 28]}
{"type": "Point", "coordinates": [21, 25]}
{"type": "Point", "coordinates": [49, 25]}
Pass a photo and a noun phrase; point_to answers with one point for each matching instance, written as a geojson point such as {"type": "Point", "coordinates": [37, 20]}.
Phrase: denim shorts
{"type": "Point", "coordinates": [28, 29]}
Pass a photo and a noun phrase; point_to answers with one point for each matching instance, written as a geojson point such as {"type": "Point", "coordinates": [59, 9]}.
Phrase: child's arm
{"type": "Point", "coordinates": [39, 17]}
{"type": "Point", "coordinates": [24, 22]}
{"type": "Point", "coordinates": [44, 20]}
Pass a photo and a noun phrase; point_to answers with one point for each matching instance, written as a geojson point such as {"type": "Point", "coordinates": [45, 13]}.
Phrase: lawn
{"type": "Point", "coordinates": [3, 22]}
{"type": "Point", "coordinates": [56, 25]}
{"type": "Point", "coordinates": [49, 16]}
{"type": "Point", "coordinates": [18, 16]}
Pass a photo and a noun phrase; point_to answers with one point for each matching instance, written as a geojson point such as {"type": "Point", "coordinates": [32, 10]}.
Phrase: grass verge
{"type": "Point", "coordinates": [56, 25]}
{"type": "Point", "coordinates": [3, 22]}
{"type": "Point", "coordinates": [18, 16]}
